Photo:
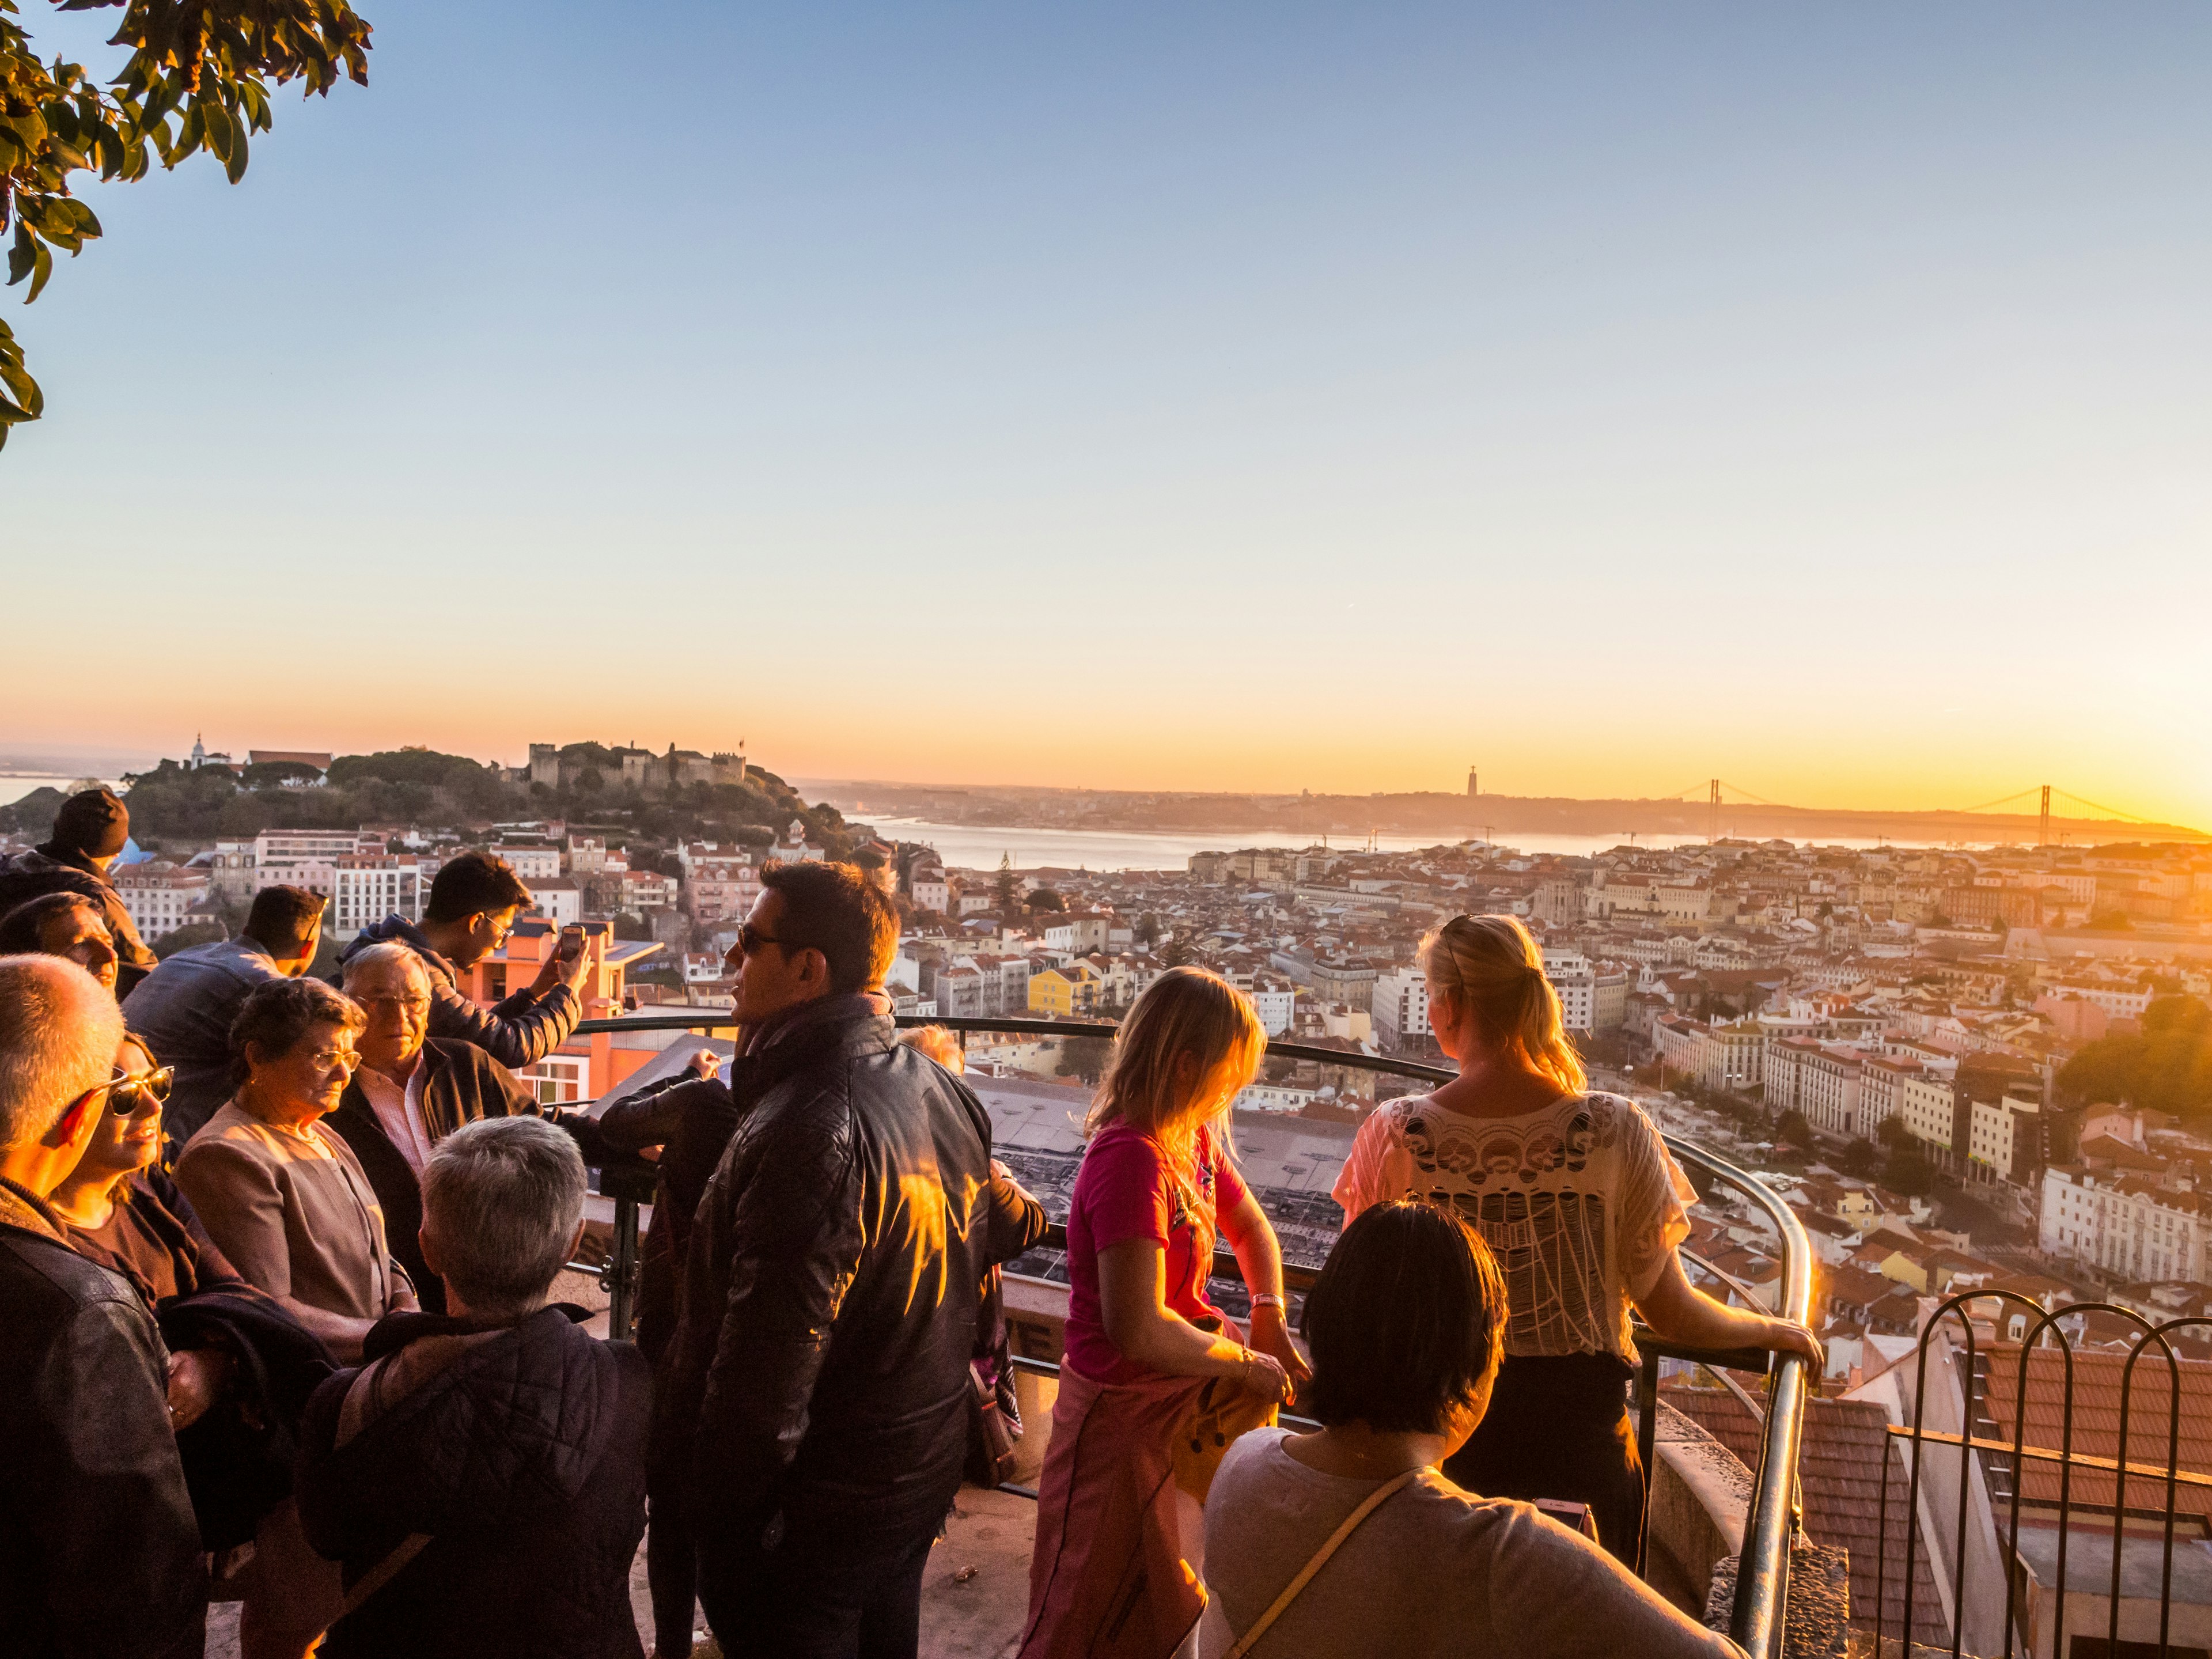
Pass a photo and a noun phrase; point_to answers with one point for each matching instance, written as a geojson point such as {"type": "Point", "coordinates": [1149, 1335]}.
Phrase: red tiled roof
{"type": "Point", "coordinates": [2096, 1422]}
{"type": "Point", "coordinates": [1844, 1446]}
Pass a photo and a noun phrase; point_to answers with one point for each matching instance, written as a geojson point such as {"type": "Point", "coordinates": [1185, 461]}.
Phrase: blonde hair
{"type": "Point", "coordinates": [938, 1043]}
{"type": "Point", "coordinates": [1186, 1011]}
{"type": "Point", "coordinates": [1489, 968]}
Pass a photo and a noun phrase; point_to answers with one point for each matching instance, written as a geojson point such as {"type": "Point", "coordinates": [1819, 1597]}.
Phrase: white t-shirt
{"type": "Point", "coordinates": [1579, 1201]}
{"type": "Point", "coordinates": [1434, 1570]}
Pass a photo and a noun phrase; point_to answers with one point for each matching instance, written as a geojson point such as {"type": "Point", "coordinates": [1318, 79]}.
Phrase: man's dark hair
{"type": "Point", "coordinates": [21, 928]}
{"type": "Point", "coordinates": [286, 919]}
{"type": "Point", "coordinates": [836, 909]}
{"type": "Point", "coordinates": [475, 881]}
{"type": "Point", "coordinates": [277, 1013]}
{"type": "Point", "coordinates": [1407, 1316]}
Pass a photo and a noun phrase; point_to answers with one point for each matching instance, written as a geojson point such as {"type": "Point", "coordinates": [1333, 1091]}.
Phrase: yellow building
{"type": "Point", "coordinates": [1063, 993]}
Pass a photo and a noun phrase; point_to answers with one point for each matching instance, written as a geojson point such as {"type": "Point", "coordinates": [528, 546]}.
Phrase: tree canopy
{"type": "Point", "coordinates": [2166, 1066]}
{"type": "Point", "coordinates": [198, 78]}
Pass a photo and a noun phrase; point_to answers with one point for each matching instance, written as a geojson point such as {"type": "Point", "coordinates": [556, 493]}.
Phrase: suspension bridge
{"type": "Point", "coordinates": [2050, 802]}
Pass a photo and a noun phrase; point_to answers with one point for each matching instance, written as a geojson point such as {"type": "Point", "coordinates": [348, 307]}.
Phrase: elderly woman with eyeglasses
{"type": "Point", "coordinates": [280, 1192]}
{"type": "Point", "coordinates": [124, 1213]}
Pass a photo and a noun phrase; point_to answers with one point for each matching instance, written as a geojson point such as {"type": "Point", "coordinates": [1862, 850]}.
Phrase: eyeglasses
{"type": "Point", "coordinates": [413, 1005]}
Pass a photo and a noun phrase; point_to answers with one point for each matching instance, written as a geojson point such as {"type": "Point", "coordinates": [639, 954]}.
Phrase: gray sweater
{"type": "Point", "coordinates": [1434, 1570]}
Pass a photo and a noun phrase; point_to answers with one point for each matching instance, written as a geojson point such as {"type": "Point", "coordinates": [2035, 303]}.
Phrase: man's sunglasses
{"type": "Point", "coordinates": [751, 939]}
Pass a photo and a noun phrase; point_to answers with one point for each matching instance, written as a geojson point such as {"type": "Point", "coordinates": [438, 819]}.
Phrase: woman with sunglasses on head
{"type": "Point", "coordinates": [1156, 1380]}
{"type": "Point", "coordinates": [123, 1212]}
{"type": "Point", "coordinates": [1576, 1196]}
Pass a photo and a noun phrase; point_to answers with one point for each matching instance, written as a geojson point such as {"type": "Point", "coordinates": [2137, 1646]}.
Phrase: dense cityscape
{"type": "Point", "coordinates": [1966, 1066]}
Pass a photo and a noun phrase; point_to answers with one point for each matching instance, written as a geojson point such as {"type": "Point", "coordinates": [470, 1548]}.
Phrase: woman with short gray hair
{"type": "Point", "coordinates": [513, 1479]}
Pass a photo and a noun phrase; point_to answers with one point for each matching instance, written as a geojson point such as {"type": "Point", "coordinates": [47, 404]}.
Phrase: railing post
{"type": "Point", "coordinates": [622, 1310]}
{"type": "Point", "coordinates": [1647, 1435]}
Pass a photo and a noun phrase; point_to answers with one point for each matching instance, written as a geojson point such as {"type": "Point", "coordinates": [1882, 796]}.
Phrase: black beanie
{"type": "Point", "coordinates": [93, 823]}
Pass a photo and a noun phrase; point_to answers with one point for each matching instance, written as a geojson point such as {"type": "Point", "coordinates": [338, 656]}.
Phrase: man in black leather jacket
{"type": "Point", "coordinates": [99, 1552]}
{"type": "Point", "coordinates": [817, 1392]}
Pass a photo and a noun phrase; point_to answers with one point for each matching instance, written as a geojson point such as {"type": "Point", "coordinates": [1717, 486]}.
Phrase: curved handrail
{"type": "Point", "coordinates": [1770, 1525]}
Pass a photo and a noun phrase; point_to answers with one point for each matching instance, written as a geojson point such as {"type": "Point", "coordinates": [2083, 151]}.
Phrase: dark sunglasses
{"type": "Point", "coordinates": [751, 939]}
{"type": "Point", "coordinates": [129, 1093]}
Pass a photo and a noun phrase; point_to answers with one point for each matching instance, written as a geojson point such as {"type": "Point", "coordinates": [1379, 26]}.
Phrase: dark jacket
{"type": "Point", "coordinates": [520, 1031]}
{"type": "Point", "coordinates": [690, 1119]}
{"type": "Point", "coordinates": [461, 1083]}
{"type": "Point", "coordinates": [520, 1451]}
{"type": "Point", "coordinates": [50, 869]}
{"type": "Point", "coordinates": [238, 1457]}
{"type": "Point", "coordinates": [829, 1301]}
{"type": "Point", "coordinates": [99, 1554]}
{"type": "Point", "coordinates": [183, 1009]}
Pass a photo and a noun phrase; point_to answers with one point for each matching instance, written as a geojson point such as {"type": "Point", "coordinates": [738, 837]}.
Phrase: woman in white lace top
{"type": "Point", "coordinates": [1579, 1199]}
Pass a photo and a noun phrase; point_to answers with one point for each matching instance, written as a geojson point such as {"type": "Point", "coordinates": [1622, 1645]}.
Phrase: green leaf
{"type": "Point", "coordinates": [18, 380]}
{"type": "Point", "coordinates": [234, 163]}
{"type": "Point", "coordinates": [22, 255]}
{"type": "Point", "coordinates": [41, 271]}
{"type": "Point", "coordinates": [216, 122]}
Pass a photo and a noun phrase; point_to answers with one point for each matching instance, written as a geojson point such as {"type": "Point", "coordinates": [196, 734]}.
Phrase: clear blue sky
{"type": "Point", "coordinates": [1245, 396]}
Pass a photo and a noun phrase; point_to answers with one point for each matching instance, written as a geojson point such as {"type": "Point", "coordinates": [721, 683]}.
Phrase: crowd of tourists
{"type": "Point", "coordinates": [278, 1259]}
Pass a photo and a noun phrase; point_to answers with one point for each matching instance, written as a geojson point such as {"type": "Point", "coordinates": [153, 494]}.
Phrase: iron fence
{"type": "Point", "coordinates": [1998, 1462]}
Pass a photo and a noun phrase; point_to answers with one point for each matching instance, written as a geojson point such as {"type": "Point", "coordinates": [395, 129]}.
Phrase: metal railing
{"type": "Point", "coordinates": [1774, 1517]}
{"type": "Point", "coordinates": [1998, 1461]}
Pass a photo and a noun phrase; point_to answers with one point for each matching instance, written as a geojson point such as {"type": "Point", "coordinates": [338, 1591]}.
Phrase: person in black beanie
{"type": "Point", "coordinates": [88, 832]}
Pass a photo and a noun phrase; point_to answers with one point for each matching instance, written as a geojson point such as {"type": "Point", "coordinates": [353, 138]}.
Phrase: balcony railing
{"type": "Point", "coordinates": [1773, 1517]}
{"type": "Point", "coordinates": [1967, 1486]}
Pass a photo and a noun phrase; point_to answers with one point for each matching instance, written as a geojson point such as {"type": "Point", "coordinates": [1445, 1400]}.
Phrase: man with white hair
{"type": "Point", "coordinates": [413, 1089]}
{"type": "Point", "coordinates": [505, 1502]}
{"type": "Point", "coordinates": [99, 1551]}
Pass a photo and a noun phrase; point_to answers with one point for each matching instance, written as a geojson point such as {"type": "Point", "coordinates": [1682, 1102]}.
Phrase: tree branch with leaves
{"type": "Point", "coordinates": [198, 78]}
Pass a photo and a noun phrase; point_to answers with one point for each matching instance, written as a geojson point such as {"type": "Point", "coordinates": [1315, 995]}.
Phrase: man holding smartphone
{"type": "Point", "coordinates": [473, 905]}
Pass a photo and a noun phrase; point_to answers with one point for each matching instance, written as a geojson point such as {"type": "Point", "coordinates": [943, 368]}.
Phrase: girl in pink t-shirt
{"type": "Point", "coordinates": [1155, 1379]}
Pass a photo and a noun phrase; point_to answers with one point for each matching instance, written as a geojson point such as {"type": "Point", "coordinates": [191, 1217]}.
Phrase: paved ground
{"type": "Point", "coordinates": [973, 1596]}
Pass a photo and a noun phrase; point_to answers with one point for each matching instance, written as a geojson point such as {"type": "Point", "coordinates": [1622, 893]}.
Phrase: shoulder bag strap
{"type": "Point", "coordinates": [383, 1572]}
{"type": "Point", "coordinates": [1373, 1501]}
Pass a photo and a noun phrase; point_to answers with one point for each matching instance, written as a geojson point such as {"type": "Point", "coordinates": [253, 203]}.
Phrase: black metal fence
{"type": "Point", "coordinates": [1774, 1518]}
{"type": "Point", "coordinates": [1995, 1472]}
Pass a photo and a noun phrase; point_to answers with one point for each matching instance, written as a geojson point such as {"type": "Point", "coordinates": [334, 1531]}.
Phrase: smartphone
{"type": "Point", "coordinates": [572, 943]}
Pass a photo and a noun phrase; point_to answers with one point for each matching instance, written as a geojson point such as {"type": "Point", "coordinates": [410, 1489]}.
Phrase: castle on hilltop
{"type": "Point", "coordinates": [640, 767]}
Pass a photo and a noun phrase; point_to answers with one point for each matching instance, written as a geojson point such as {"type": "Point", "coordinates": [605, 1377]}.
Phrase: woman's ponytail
{"type": "Point", "coordinates": [1491, 967]}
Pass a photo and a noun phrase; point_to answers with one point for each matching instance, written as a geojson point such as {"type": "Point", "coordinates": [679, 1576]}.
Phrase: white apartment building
{"type": "Point", "coordinates": [958, 991]}
{"type": "Point", "coordinates": [531, 861]}
{"type": "Point", "coordinates": [1401, 1008]}
{"type": "Point", "coordinates": [159, 895]}
{"type": "Point", "coordinates": [306, 857]}
{"type": "Point", "coordinates": [2126, 1224]}
{"type": "Point", "coordinates": [366, 887]}
{"type": "Point", "coordinates": [1732, 1056]}
{"type": "Point", "coordinates": [559, 899]}
{"type": "Point", "coordinates": [1820, 1081]}
{"type": "Point", "coordinates": [1576, 981]}
{"type": "Point", "coordinates": [932, 892]}
{"type": "Point", "coordinates": [1276, 1003]}
{"type": "Point", "coordinates": [1881, 1090]}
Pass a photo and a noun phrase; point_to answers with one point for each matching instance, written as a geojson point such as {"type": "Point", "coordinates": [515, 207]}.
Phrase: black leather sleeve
{"type": "Point", "coordinates": [123, 1570]}
{"type": "Point", "coordinates": [791, 1215]}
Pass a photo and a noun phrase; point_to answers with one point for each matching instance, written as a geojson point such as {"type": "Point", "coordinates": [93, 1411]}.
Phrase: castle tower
{"type": "Point", "coordinates": [1471, 789]}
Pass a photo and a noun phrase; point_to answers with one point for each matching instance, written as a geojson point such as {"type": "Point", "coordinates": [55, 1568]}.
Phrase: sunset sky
{"type": "Point", "coordinates": [1239, 397]}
